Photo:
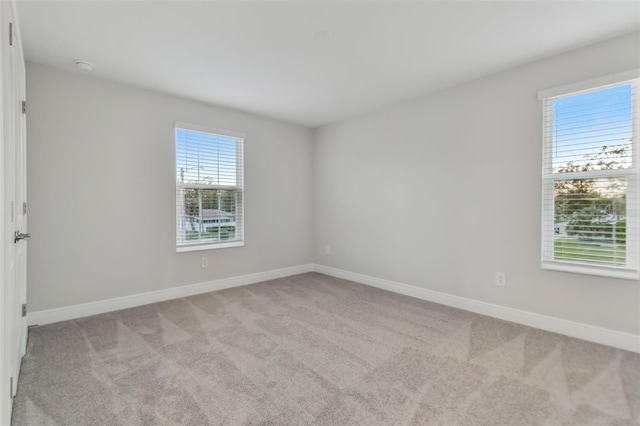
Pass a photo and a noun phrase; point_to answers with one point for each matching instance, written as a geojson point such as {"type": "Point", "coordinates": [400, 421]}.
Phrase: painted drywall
{"type": "Point", "coordinates": [444, 190]}
{"type": "Point", "coordinates": [102, 191]}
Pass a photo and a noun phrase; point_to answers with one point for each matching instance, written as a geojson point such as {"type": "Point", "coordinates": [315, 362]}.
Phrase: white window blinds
{"type": "Point", "coordinates": [590, 181]}
{"type": "Point", "coordinates": [209, 188]}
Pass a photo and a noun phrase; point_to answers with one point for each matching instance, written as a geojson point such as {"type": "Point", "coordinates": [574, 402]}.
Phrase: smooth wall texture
{"type": "Point", "coordinates": [443, 191]}
{"type": "Point", "coordinates": [102, 191]}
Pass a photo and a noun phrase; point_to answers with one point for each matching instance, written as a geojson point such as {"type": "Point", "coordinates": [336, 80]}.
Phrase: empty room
{"type": "Point", "coordinates": [320, 212]}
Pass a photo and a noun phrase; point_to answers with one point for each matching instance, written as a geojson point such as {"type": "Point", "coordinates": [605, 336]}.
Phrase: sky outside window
{"type": "Point", "coordinates": [204, 158]}
{"type": "Point", "coordinates": [584, 123]}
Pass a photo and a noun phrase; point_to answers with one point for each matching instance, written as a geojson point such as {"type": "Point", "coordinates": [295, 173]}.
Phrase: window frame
{"type": "Point", "coordinates": [239, 188]}
{"type": "Point", "coordinates": [631, 270]}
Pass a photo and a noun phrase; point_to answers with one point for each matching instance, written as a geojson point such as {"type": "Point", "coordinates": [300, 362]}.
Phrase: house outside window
{"type": "Point", "coordinates": [590, 177]}
{"type": "Point", "coordinates": [209, 188]}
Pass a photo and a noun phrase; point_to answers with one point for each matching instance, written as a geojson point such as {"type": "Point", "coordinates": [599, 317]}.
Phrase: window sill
{"type": "Point", "coordinates": [626, 274]}
{"type": "Point", "coordinates": [208, 246]}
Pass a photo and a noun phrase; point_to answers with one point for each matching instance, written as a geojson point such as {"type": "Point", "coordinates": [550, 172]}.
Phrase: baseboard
{"type": "Point", "coordinates": [93, 308]}
{"type": "Point", "coordinates": [617, 339]}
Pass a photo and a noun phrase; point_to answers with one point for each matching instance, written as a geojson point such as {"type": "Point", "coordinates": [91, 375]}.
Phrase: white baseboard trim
{"type": "Point", "coordinates": [93, 308]}
{"type": "Point", "coordinates": [605, 336]}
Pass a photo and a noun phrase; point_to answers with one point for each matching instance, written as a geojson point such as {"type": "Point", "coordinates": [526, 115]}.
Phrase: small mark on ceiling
{"type": "Point", "coordinates": [84, 65]}
{"type": "Point", "coordinates": [322, 35]}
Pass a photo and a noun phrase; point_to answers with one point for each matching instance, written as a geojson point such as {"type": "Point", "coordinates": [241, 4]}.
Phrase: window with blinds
{"type": "Point", "coordinates": [209, 188]}
{"type": "Point", "coordinates": [590, 180]}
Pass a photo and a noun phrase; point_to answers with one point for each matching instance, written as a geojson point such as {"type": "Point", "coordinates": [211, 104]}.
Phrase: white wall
{"type": "Point", "coordinates": [102, 153]}
{"type": "Point", "coordinates": [442, 191]}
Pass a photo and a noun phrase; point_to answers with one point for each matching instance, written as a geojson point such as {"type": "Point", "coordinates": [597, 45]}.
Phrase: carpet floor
{"type": "Point", "coordinates": [312, 349]}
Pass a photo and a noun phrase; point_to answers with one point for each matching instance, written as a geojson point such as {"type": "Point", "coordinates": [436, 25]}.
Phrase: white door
{"type": "Point", "coordinates": [20, 181]}
{"type": "Point", "coordinates": [13, 187]}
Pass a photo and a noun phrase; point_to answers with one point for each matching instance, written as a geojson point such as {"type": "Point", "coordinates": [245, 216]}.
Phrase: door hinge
{"type": "Point", "coordinates": [10, 33]}
{"type": "Point", "coordinates": [24, 309]}
{"type": "Point", "coordinates": [11, 388]}
{"type": "Point", "coordinates": [24, 208]}
{"type": "Point", "coordinates": [24, 107]}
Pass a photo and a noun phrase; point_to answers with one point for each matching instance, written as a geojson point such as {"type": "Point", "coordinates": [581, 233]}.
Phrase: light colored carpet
{"type": "Point", "coordinates": [312, 349]}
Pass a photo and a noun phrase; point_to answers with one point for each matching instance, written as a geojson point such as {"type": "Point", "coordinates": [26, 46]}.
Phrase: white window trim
{"type": "Point", "coordinates": [632, 175]}
{"type": "Point", "coordinates": [239, 171]}
{"type": "Point", "coordinates": [208, 246]}
{"type": "Point", "coordinates": [590, 84]}
{"type": "Point", "coordinates": [205, 129]}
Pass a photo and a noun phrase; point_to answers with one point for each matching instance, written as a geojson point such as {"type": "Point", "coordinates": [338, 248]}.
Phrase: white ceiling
{"type": "Point", "coordinates": [310, 63]}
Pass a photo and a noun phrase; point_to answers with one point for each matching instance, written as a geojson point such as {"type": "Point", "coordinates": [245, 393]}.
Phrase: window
{"type": "Point", "coordinates": [590, 177]}
{"type": "Point", "coordinates": [209, 188]}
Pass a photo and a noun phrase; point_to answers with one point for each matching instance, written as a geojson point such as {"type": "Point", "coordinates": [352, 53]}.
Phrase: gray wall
{"type": "Point", "coordinates": [102, 187]}
{"type": "Point", "coordinates": [444, 190]}
{"type": "Point", "coordinates": [438, 192]}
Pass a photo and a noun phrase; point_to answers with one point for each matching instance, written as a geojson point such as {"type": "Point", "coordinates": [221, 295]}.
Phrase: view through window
{"type": "Point", "coordinates": [209, 190]}
{"type": "Point", "coordinates": [591, 180]}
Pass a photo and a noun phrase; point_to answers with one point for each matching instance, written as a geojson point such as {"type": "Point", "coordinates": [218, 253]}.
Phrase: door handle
{"type": "Point", "coordinates": [20, 236]}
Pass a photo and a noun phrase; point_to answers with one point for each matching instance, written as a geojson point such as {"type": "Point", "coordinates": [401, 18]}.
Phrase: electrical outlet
{"type": "Point", "coordinates": [327, 250]}
{"type": "Point", "coordinates": [205, 262]}
{"type": "Point", "coordinates": [501, 279]}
